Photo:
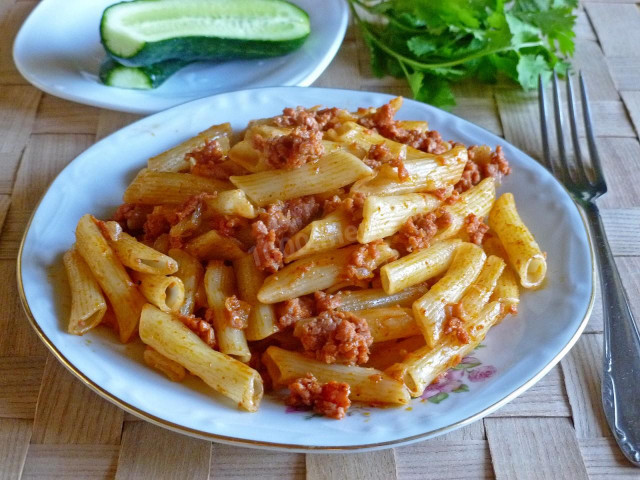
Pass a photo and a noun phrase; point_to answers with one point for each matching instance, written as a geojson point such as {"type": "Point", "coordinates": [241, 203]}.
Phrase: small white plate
{"type": "Point", "coordinates": [58, 50]}
{"type": "Point", "coordinates": [517, 352]}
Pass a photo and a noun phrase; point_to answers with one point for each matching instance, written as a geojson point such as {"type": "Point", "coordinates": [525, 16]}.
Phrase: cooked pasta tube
{"type": "Point", "coordinates": [367, 384]}
{"type": "Point", "coordinates": [113, 279]}
{"type": "Point", "coordinates": [383, 216]}
{"type": "Point", "coordinates": [429, 310]}
{"type": "Point", "coordinates": [176, 159]}
{"type": "Point", "coordinates": [477, 200]}
{"type": "Point", "coordinates": [418, 266]}
{"type": "Point", "coordinates": [385, 323]}
{"type": "Point", "coordinates": [212, 245]}
{"type": "Point", "coordinates": [157, 361]}
{"type": "Point", "coordinates": [171, 338]}
{"type": "Point", "coordinates": [332, 171]}
{"type": "Point", "coordinates": [313, 273]}
{"type": "Point", "coordinates": [262, 317]}
{"type": "Point", "coordinates": [162, 188]}
{"type": "Point", "coordinates": [479, 292]}
{"type": "Point", "coordinates": [231, 202]}
{"type": "Point", "coordinates": [88, 305]}
{"type": "Point", "coordinates": [333, 231]}
{"type": "Point", "coordinates": [507, 288]}
{"type": "Point", "coordinates": [422, 366]}
{"type": "Point", "coordinates": [219, 282]}
{"type": "Point", "coordinates": [356, 300]}
{"type": "Point", "coordinates": [190, 271]}
{"type": "Point", "coordinates": [166, 293]}
{"type": "Point", "coordinates": [385, 354]}
{"type": "Point", "coordinates": [427, 172]}
{"type": "Point", "coordinates": [352, 135]}
{"type": "Point", "coordinates": [522, 249]}
{"type": "Point", "coordinates": [134, 254]}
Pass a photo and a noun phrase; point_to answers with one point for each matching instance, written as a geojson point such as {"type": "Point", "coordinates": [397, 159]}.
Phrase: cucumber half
{"type": "Point", "coordinates": [143, 32]}
{"type": "Point", "coordinates": [115, 74]}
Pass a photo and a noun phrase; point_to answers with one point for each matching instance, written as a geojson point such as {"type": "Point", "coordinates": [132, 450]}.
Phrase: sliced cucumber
{"type": "Point", "coordinates": [115, 74]}
{"type": "Point", "coordinates": [142, 32]}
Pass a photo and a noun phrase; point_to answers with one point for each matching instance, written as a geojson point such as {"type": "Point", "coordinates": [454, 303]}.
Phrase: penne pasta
{"type": "Point", "coordinates": [427, 172]}
{"type": "Point", "coordinates": [314, 273]}
{"type": "Point", "coordinates": [477, 201]}
{"type": "Point", "coordinates": [479, 292]}
{"type": "Point", "coordinates": [176, 159]}
{"type": "Point", "coordinates": [113, 279]}
{"type": "Point", "coordinates": [332, 171]}
{"type": "Point", "coordinates": [134, 254]}
{"type": "Point", "coordinates": [262, 317]}
{"type": "Point", "coordinates": [212, 245]}
{"type": "Point", "coordinates": [191, 273]}
{"type": "Point", "coordinates": [172, 339]}
{"type": "Point", "coordinates": [522, 249]}
{"type": "Point", "coordinates": [356, 300]}
{"type": "Point", "coordinates": [171, 369]}
{"type": "Point", "coordinates": [333, 231]}
{"type": "Point", "coordinates": [429, 310]}
{"type": "Point", "coordinates": [367, 384]}
{"type": "Point", "coordinates": [418, 266]}
{"type": "Point", "coordinates": [219, 284]}
{"type": "Point", "coordinates": [231, 202]}
{"type": "Point", "coordinates": [383, 216]}
{"type": "Point", "coordinates": [88, 305]}
{"type": "Point", "coordinates": [360, 139]}
{"type": "Point", "coordinates": [385, 354]}
{"type": "Point", "coordinates": [166, 293]}
{"type": "Point", "coordinates": [422, 366]}
{"type": "Point", "coordinates": [162, 188]}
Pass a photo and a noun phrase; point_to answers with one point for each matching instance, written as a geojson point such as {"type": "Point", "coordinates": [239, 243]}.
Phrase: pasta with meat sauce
{"type": "Point", "coordinates": [277, 257]}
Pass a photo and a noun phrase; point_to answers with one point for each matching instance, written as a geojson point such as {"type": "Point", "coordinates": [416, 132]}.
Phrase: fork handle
{"type": "Point", "coordinates": [621, 358]}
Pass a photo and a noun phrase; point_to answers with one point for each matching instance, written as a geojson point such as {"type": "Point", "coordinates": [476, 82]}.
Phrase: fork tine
{"type": "Point", "coordinates": [542, 103]}
{"type": "Point", "coordinates": [582, 174]}
{"type": "Point", "coordinates": [591, 141]}
{"type": "Point", "coordinates": [557, 109]}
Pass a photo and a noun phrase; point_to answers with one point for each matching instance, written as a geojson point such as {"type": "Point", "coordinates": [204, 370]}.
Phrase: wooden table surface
{"type": "Point", "coordinates": [51, 426]}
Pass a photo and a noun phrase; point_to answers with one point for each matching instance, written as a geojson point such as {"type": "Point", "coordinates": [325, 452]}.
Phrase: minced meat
{"type": "Point", "coordinates": [313, 119]}
{"type": "Point", "coordinates": [203, 328]}
{"type": "Point", "coordinates": [351, 205]}
{"type": "Point", "coordinates": [236, 312]}
{"type": "Point", "coordinates": [454, 325]}
{"type": "Point", "coordinates": [336, 336]}
{"type": "Point", "coordinates": [475, 228]}
{"type": "Point", "coordinates": [362, 262]}
{"type": "Point", "coordinates": [330, 399]}
{"type": "Point", "coordinates": [482, 163]}
{"type": "Point", "coordinates": [291, 311]}
{"type": "Point", "coordinates": [302, 145]}
{"type": "Point", "coordinates": [419, 230]}
{"type": "Point", "coordinates": [132, 217]}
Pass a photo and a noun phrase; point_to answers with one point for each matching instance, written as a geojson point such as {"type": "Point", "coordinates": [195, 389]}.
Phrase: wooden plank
{"type": "Point", "coordinates": [110, 121]}
{"type": "Point", "coordinates": [444, 460]}
{"type": "Point", "coordinates": [632, 102]}
{"type": "Point", "coordinates": [68, 412]}
{"type": "Point", "coordinates": [19, 385]}
{"type": "Point", "coordinates": [152, 452]}
{"type": "Point", "coordinates": [9, 27]}
{"type": "Point", "coordinates": [528, 448]}
{"type": "Point", "coordinates": [56, 115]}
{"type": "Point", "coordinates": [71, 462]}
{"type": "Point", "coordinates": [625, 72]}
{"type": "Point", "coordinates": [378, 465]}
{"type": "Point", "coordinates": [43, 159]}
{"type": "Point", "coordinates": [547, 398]}
{"type": "Point", "coordinates": [604, 460]}
{"type": "Point", "coordinates": [476, 103]}
{"type": "Point", "coordinates": [582, 369]}
{"type": "Point", "coordinates": [5, 202]}
{"type": "Point", "coordinates": [473, 431]}
{"type": "Point", "coordinates": [14, 442]}
{"type": "Point", "coordinates": [235, 463]}
{"type": "Point", "coordinates": [623, 230]}
{"type": "Point", "coordinates": [22, 340]}
{"type": "Point", "coordinates": [342, 71]}
{"type": "Point", "coordinates": [583, 29]}
{"type": "Point", "coordinates": [619, 161]}
{"type": "Point", "coordinates": [590, 60]}
{"type": "Point", "coordinates": [617, 27]}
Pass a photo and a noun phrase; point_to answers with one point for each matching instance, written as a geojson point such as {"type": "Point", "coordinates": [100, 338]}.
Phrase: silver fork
{"type": "Point", "coordinates": [621, 360]}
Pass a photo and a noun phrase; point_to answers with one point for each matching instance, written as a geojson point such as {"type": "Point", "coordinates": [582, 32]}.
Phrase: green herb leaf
{"type": "Point", "coordinates": [439, 397]}
{"type": "Point", "coordinates": [530, 67]}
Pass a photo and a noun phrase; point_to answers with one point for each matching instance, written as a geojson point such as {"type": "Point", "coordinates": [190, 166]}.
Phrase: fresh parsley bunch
{"type": "Point", "coordinates": [435, 42]}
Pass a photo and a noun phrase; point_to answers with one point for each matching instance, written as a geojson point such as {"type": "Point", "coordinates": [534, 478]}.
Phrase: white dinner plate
{"type": "Point", "coordinates": [516, 353]}
{"type": "Point", "coordinates": [58, 50]}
